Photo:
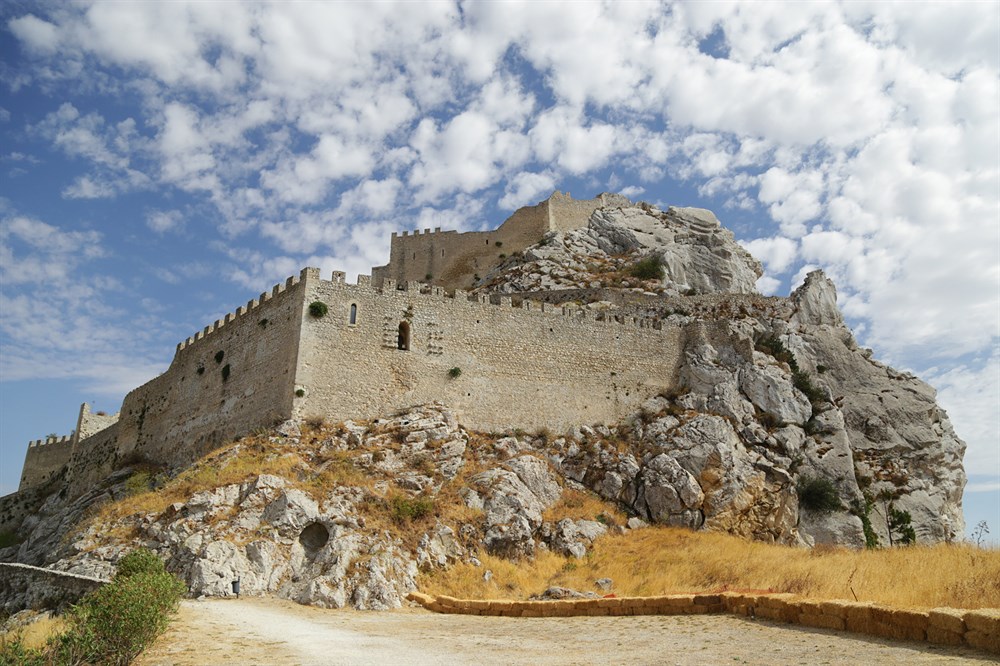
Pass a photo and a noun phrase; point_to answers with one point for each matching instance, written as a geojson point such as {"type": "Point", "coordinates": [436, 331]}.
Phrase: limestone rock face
{"type": "Point", "coordinates": [697, 254]}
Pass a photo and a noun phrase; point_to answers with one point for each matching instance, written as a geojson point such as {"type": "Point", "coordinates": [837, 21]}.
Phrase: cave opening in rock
{"type": "Point", "coordinates": [314, 536]}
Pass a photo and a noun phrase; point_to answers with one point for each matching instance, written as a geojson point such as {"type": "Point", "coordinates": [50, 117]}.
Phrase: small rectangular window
{"type": "Point", "coordinates": [354, 314]}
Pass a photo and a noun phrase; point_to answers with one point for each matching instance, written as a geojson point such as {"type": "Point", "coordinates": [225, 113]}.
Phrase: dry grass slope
{"type": "Point", "coordinates": [657, 561]}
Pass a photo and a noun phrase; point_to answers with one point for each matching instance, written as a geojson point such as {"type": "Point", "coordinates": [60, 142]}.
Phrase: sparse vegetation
{"type": "Point", "coordinates": [139, 482]}
{"type": "Point", "coordinates": [225, 372]}
{"type": "Point", "coordinates": [818, 494]}
{"type": "Point", "coordinates": [803, 382]}
{"type": "Point", "coordinates": [318, 309]}
{"type": "Point", "coordinates": [665, 560]}
{"type": "Point", "coordinates": [8, 538]}
{"type": "Point", "coordinates": [455, 373]}
{"type": "Point", "coordinates": [407, 509]}
{"type": "Point", "coordinates": [219, 355]}
{"type": "Point", "coordinates": [300, 393]}
{"type": "Point", "coordinates": [113, 624]}
{"type": "Point", "coordinates": [650, 268]}
{"type": "Point", "coordinates": [978, 534]}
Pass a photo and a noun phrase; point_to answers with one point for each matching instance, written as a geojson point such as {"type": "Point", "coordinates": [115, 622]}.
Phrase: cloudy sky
{"type": "Point", "coordinates": [163, 162]}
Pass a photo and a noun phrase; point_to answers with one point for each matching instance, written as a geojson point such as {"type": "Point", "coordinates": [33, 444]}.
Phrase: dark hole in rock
{"type": "Point", "coordinates": [314, 536]}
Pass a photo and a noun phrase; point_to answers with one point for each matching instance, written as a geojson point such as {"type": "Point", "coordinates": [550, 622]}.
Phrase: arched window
{"type": "Point", "coordinates": [403, 341]}
{"type": "Point", "coordinates": [354, 314]}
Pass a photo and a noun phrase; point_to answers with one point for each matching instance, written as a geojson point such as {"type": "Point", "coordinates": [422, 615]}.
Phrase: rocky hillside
{"type": "Point", "coordinates": [697, 254]}
{"type": "Point", "coordinates": [783, 430]}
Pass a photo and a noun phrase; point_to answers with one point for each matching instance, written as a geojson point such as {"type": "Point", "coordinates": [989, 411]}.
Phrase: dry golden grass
{"type": "Point", "coordinates": [664, 560]}
{"type": "Point", "coordinates": [578, 505]}
{"type": "Point", "coordinates": [37, 633]}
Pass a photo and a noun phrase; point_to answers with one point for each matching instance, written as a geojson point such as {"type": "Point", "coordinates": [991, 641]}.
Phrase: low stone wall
{"type": "Point", "coordinates": [943, 626]}
{"type": "Point", "coordinates": [23, 586]}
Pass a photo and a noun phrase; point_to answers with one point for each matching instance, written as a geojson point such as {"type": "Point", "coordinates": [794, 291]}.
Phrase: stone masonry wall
{"type": "Point", "coordinates": [94, 458]}
{"type": "Point", "coordinates": [90, 423]}
{"type": "Point", "coordinates": [231, 378]}
{"type": "Point", "coordinates": [44, 459]}
{"type": "Point", "coordinates": [525, 367]}
{"type": "Point", "coordinates": [452, 259]}
{"type": "Point", "coordinates": [566, 213]}
{"type": "Point", "coordinates": [23, 586]}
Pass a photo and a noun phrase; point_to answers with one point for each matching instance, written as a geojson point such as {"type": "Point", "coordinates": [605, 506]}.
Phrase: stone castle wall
{"type": "Point", "coordinates": [44, 460]}
{"type": "Point", "coordinates": [90, 423]}
{"type": "Point", "coordinates": [530, 366]}
{"type": "Point", "coordinates": [453, 260]}
{"type": "Point", "coordinates": [233, 377]}
{"type": "Point", "coordinates": [533, 365]}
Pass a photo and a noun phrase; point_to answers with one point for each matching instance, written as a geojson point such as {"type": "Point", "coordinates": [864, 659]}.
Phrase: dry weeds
{"type": "Point", "coordinates": [669, 560]}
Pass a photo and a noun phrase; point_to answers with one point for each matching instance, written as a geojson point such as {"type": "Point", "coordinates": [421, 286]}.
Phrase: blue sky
{"type": "Point", "coordinates": [163, 162]}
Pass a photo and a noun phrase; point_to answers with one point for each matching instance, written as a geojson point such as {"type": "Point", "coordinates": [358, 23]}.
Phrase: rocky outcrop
{"type": "Point", "coordinates": [697, 255]}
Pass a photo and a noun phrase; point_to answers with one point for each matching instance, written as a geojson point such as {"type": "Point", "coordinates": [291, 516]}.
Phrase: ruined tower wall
{"type": "Point", "coordinates": [90, 423]}
{"type": "Point", "coordinates": [524, 367]}
{"type": "Point", "coordinates": [453, 260]}
{"type": "Point", "coordinates": [93, 459]}
{"type": "Point", "coordinates": [567, 213]}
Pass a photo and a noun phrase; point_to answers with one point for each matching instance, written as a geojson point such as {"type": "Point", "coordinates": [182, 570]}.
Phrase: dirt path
{"type": "Point", "coordinates": [270, 631]}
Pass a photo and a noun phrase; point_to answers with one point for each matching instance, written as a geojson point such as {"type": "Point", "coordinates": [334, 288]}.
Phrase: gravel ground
{"type": "Point", "coordinates": [271, 631]}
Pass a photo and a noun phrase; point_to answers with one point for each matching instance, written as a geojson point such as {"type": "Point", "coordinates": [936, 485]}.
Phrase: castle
{"type": "Point", "coordinates": [322, 347]}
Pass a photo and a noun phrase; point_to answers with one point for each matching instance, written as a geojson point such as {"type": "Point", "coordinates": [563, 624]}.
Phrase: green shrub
{"type": "Point", "coordinates": [405, 509]}
{"type": "Point", "coordinates": [225, 372]}
{"type": "Point", "coordinates": [863, 511]}
{"type": "Point", "coordinates": [219, 355]}
{"type": "Point", "coordinates": [300, 393]}
{"type": "Point", "coordinates": [318, 309]}
{"type": "Point", "coordinates": [772, 345]}
{"type": "Point", "coordinates": [8, 538]}
{"type": "Point", "coordinates": [115, 623]}
{"type": "Point", "coordinates": [139, 561]}
{"type": "Point", "coordinates": [139, 482]}
{"type": "Point", "coordinates": [818, 495]}
{"type": "Point", "coordinates": [650, 268]}
{"type": "Point", "coordinates": [803, 382]}
{"type": "Point", "coordinates": [455, 373]}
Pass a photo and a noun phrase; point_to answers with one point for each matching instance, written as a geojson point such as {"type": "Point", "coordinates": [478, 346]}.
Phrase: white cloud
{"type": "Point", "coordinates": [971, 393]}
{"type": "Point", "coordinates": [38, 35]}
{"type": "Point", "coordinates": [777, 253]}
{"type": "Point", "coordinates": [162, 221]}
{"type": "Point", "coordinates": [527, 188]}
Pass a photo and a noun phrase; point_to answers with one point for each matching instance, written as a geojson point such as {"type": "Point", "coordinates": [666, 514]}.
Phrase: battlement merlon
{"type": "Point", "coordinates": [278, 291]}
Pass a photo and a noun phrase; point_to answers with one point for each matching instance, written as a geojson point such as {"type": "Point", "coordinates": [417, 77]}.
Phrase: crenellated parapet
{"type": "Point", "coordinates": [253, 308]}
{"type": "Point", "coordinates": [46, 459]}
{"type": "Point", "coordinates": [423, 292]}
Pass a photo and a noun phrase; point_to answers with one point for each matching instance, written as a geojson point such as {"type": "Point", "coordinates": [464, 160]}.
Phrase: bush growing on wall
{"type": "Point", "coordinates": [318, 309]}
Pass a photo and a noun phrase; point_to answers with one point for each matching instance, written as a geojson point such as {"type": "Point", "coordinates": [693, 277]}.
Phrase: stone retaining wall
{"type": "Point", "coordinates": [23, 586]}
{"type": "Point", "coordinates": [943, 626]}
